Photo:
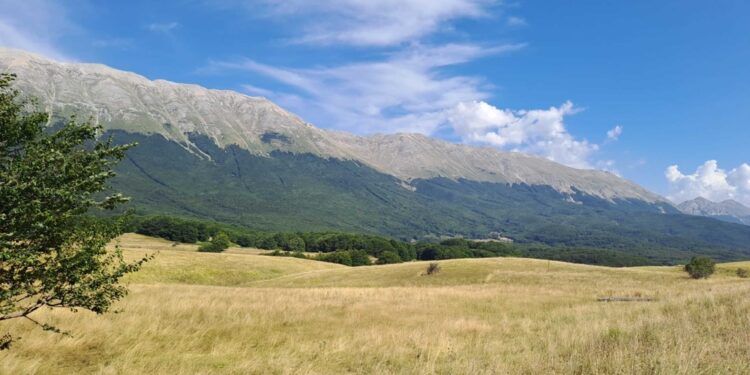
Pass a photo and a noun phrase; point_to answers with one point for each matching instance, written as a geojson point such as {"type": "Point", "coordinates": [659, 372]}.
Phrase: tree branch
{"type": "Point", "coordinates": [24, 313]}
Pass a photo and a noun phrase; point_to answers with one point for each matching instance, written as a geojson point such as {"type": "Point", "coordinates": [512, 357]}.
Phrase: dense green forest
{"type": "Point", "coordinates": [355, 249]}
{"type": "Point", "coordinates": [283, 192]}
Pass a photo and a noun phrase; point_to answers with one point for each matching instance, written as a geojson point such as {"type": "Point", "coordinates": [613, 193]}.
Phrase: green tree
{"type": "Point", "coordinates": [51, 253]}
{"type": "Point", "coordinates": [389, 257]}
{"type": "Point", "coordinates": [700, 267]}
{"type": "Point", "coordinates": [219, 243]}
{"type": "Point", "coordinates": [340, 257]}
{"type": "Point", "coordinates": [290, 242]}
{"type": "Point", "coordinates": [360, 258]}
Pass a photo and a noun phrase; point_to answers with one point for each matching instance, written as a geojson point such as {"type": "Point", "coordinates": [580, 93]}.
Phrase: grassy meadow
{"type": "Point", "coordinates": [242, 313]}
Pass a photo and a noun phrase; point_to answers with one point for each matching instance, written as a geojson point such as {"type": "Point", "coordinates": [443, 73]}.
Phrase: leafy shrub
{"type": "Point", "coordinates": [360, 258]}
{"type": "Point", "coordinates": [292, 254]}
{"type": "Point", "coordinates": [405, 251]}
{"type": "Point", "coordinates": [389, 257]}
{"type": "Point", "coordinates": [219, 243]}
{"type": "Point", "coordinates": [209, 247]}
{"type": "Point", "coordinates": [432, 269]}
{"type": "Point", "coordinates": [340, 257]}
{"type": "Point", "coordinates": [246, 240]}
{"type": "Point", "coordinates": [743, 273]}
{"type": "Point", "coordinates": [174, 229]}
{"type": "Point", "coordinates": [6, 341]}
{"type": "Point", "coordinates": [700, 267]}
{"type": "Point", "coordinates": [289, 242]}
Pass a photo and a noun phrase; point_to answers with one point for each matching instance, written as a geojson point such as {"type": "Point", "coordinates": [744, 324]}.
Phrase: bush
{"type": "Point", "coordinates": [360, 258]}
{"type": "Point", "coordinates": [219, 243]}
{"type": "Point", "coordinates": [246, 240]}
{"type": "Point", "coordinates": [173, 229]}
{"type": "Point", "coordinates": [292, 254]}
{"type": "Point", "coordinates": [209, 247]}
{"type": "Point", "coordinates": [389, 257]}
{"type": "Point", "coordinates": [340, 257]}
{"type": "Point", "coordinates": [289, 242]}
{"type": "Point", "coordinates": [743, 273]}
{"type": "Point", "coordinates": [432, 269]}
{"type": "Point", "coordinates": [700, 267]}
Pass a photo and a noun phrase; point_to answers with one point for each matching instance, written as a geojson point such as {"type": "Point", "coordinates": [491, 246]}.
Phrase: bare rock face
{"type": "Point", "coordinates": [728, 209]}
{"type": "Point", "coordinates": [130, 102]}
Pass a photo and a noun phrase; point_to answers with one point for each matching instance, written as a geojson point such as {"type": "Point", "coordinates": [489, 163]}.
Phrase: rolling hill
{"type": "Point", "coordinates": [484, 316]}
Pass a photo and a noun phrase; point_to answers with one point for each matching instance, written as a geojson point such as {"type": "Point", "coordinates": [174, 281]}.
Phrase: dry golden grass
{"type": "Point", "coordinates": [182, 264]}
{"type": "Point", "coordinates": [477, 316]}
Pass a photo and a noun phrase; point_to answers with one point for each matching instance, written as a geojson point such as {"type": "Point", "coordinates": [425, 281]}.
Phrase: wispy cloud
{"type": "Point", "coordinates": [162, 27]}
{"type": "Point", "coordinates": [408, 92]}
{"type": "Point", "coordinates": [368, 23]}
{"type": "Point", "coordinates": [514, 21]}
{"type": "Point", "coordinates": [34, 25]}
{"type": "Point", "coordinates": [414, 87]}
{"type": "Point", "coordinates": [405, 92]}
{"type": "Point", "coordinates": [614, 133]}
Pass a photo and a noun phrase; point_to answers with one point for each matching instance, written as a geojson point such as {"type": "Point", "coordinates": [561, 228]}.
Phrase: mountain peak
{"type": "Point", "coordinates": [728, 208]}
{"type": "Point", "coordinates": [127, 101]}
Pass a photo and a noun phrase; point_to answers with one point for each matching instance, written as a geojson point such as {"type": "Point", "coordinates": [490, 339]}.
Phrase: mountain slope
{"type": "Point", "coordinates": [728, 210]}
{"type": "Point", "coordinates": [228, 157]}
{"type": "Point", "coordinates": [289, 192]}
{"type": "Point", "coordinates": [126, 101]}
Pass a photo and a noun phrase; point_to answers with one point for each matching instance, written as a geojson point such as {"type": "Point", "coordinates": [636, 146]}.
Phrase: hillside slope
{"type": "Point", "coordinates": [303, 192]}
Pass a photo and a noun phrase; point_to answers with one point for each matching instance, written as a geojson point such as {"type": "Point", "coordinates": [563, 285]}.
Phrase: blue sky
{"type": "Point", "coordinates": [635, 87]}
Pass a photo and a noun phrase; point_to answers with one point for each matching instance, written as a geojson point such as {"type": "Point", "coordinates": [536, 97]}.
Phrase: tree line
{"type": "Point", "coordinates": [357, 249]}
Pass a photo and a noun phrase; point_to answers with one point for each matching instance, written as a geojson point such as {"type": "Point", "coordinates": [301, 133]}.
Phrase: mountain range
{"type": "Point", "coordinates": [728, 210]}
{"type": "Point", "coordinates": [229, 157]}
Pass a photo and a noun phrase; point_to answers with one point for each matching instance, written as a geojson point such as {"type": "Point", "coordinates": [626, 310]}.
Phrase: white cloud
{"type": "Point", "coordinates": [163, 27]}
{"type": "Point", "coordinates": [408, 93]}
{"type": "Point", "coordinates": [369, 23]}
{"type": "Point", "coordinates": [541, 131]}
{"type": "Point", "coordinates": [35, 26]}
{"type": "Point", "coordinates": [410, 89]}
{"type": "Point", "coordinates": [405, 92]}
{"type": "Point", "coordinates": [614, 133]}
{"type": "Point", "coordinates": [711, 182]}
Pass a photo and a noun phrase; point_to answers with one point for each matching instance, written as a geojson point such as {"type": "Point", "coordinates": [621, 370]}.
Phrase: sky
{"type": "Point", "coordinates": [657, 92]}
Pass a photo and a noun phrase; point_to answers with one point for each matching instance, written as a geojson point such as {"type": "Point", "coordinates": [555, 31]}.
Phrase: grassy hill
{"type": "Point", "coordinates": [182, 264]}
{"type": "Point", "coordinates": [244, 313]}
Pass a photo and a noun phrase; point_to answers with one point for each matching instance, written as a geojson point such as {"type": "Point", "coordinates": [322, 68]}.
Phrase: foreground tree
{"type": "Point", "coordinates": [51, 253]}
{"type": "Point", "coordinates": [700, 267]}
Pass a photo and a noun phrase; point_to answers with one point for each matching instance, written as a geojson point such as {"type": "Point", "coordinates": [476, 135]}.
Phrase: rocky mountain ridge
{"type": "Point", "coordinates": [126, 101]}
{"type": "Point", "coordinates": [727, 210]}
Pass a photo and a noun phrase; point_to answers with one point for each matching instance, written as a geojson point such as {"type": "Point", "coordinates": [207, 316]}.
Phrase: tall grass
{"type": "Point", "coordinates": [484, 316]}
